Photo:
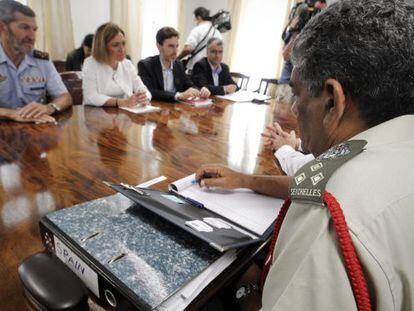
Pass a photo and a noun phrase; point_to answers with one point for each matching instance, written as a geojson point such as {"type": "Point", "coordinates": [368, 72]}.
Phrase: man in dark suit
{"type": "Point", "coordinates": [164, 75]}
{"type": "Point", "coordinates": [74, 60]}
{"type": "Point", "coordinates": [210, 72]}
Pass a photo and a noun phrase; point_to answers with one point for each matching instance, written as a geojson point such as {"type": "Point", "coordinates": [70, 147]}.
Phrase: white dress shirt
{"type": "Point", "coordinates": [291, 160]}
{"type": "Point", "coordinates": [168, 77]}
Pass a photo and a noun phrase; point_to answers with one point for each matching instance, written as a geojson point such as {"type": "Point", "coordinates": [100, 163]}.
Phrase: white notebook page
{"type": "Point", "coordinates": [245, 207]}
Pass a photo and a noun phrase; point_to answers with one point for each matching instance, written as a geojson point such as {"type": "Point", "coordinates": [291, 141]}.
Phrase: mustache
{"type": "Point", "coordinates": [27, 40]}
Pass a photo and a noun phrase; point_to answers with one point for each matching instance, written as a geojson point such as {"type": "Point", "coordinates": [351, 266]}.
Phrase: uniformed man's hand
{"type": "Point", "coordinates": [44, 118]}
{"type": "Point", "coordinates": [216, 175]}
{"type": "Point", "coordinates": [35, 110]}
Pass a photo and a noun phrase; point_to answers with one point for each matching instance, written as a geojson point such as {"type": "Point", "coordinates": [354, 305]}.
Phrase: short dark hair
{"type": "Point", "coordinates": [368, 46]}
{"type": "Point", "coordinates": [9, 7]}
{"type": "Point", "coordinates": [87, 41]}
{"type": "Point", "coordinates": [165, 33]}
{"type": "Point", "coordinates": [202, 12]}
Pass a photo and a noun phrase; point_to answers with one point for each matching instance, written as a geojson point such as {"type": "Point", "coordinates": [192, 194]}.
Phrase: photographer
{"type": "Point", "coordinates": [198, 37]}
{"type": "Point", "coordinates": [299, 16]}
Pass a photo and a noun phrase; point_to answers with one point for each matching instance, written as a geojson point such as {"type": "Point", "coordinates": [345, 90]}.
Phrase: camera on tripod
{"type": "Point", "coordinates": [221, 21]}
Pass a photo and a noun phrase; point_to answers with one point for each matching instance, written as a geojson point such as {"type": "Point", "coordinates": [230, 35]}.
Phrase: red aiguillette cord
{"type": "Point", "coordinates": [352, 264]}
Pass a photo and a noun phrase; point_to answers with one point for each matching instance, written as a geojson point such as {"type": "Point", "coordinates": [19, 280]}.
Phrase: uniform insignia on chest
{"type": "Point", "coordinates": [335, 152]}
{"type": "Point", "coordinates": [310, 181]}
{"type": "Point", "coordinates": [2, 78]}
{"type": "Point", "coordinates": [40, 54]}
{"type": "Point", "coordinates": [33, 79]}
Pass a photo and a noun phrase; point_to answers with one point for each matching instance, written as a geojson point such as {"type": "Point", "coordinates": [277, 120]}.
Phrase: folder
{"type": "Point", "coordinates": [127, 255]}
{"type": "Point", "coordinates": [199, 212]}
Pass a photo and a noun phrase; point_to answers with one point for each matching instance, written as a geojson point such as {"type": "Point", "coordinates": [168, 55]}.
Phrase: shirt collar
{"type": "Point", "coordinates": [28, 58]}
{"type": "Point", "coordinates": [395, 130]}
{"type": "Point", "coordinates": [164, 68]}
{"type": "Point", "coordinates": [217, 71]}
{"type": "Point", "coordinates": [3, 56]}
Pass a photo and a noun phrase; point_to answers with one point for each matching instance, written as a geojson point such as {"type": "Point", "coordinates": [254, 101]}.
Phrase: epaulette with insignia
{"type": "Point", "coordinates": [310, 181]}
{"type": "Point", "coordinates": [40, 55]}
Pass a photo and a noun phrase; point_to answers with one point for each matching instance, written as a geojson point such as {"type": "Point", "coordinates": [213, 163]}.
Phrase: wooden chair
{"type": "Point", "coordinates": [266, 83]}
{"type": "Point", "coordinates": [73, 83]}
{"type": "Point", "coordinates": [70, 75]}
{"type": "Point", "coordinates": [242, 80]}
{"type": "Point", "coordinates": [60, 65]}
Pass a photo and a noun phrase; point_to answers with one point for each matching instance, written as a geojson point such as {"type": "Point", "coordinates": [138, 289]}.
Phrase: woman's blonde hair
{"type": "Point", "coordinates": [103, 35]}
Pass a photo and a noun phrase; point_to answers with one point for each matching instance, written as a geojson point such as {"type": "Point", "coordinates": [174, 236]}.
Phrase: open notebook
{"type": "Point", "coordinates": [254, 212]}
{"type": "Point", "coordinates": [225, 219]}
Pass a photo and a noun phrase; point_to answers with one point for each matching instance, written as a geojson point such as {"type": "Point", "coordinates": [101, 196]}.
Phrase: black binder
{"type": "Point", "coordinates": [221, 234]}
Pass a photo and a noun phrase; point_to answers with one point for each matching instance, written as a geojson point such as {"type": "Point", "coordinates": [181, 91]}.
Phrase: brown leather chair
{"type": "Point", "coordinates": [60, 65]}
{"type": "Point", "coordinates": [70, 75]}
{"type": "Point", "coordinates": [242, 80]}
{"type": "Point", "coordinates": [73, 82]}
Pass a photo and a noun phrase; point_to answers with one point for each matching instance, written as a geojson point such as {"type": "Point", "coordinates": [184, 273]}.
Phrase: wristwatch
{"type": "Point", "coordinates": [56, 107]}
{"type": "Point", "coordinates": [245, 290]}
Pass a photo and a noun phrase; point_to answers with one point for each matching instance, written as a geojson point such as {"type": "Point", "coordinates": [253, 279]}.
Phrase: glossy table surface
{"type": "Point", "coordinates": [44, 168]}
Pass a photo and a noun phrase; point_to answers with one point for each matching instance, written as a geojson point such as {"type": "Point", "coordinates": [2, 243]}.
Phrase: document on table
{"type": "Point", "coordinates": [245, 96]}
{"type": "Point", "coordinates": [198, 102]}
{"type": "Point", "coordinates": [181, 299]}
{"type": "Point", "coordinates": [250, 210]}
{"type": "Point", "coordinates": [141, 109]}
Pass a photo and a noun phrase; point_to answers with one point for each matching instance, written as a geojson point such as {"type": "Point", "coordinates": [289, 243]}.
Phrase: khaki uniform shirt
{"type": "Point", "coordinates": [376, 192]}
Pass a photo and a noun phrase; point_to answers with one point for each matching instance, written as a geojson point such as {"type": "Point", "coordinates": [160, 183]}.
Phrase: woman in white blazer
{"type": "Point", "coordinates": [109, 79]}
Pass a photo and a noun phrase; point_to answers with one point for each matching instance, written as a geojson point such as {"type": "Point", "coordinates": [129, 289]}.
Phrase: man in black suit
{"type": "Point", "coordinates": [210, 72]}
{"type": "Point", "coordinates": [164, 75]}
{"type": "Point", "coordinates": [74, 60]}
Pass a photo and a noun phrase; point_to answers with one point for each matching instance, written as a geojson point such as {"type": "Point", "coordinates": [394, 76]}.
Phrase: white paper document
{"type": "Point", "coordinates": [252, 211]}
{"type": "Point", "coordinates": [181, 299]}
{"type": "Point", "coordinates": [245, 96]}
{"type": "Point", "coordinates": [198, 102]}
{"type": "Point", "coordinates": [141, 109]}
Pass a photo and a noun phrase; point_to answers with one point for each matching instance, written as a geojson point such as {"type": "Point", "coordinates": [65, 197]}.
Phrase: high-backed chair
{"type": "Point", "coordinates": [242, 80]}
{"type": "Point", "coordinates": [60, 65]}
{"type": "Point", "coordinates": [73, 82]}
{"type": "Point", "coordinates": [266, 83]}
{"type": "Point", "coordinates": [71, 75]}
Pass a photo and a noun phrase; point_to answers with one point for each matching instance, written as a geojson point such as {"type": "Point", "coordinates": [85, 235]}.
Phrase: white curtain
{"type": "Point", "coordinates": [237, 9]}
{"type": "Point", "coordinates": [157, 14]}
{"type": "Point", "coordinates": [258, 44]}
{"type": "Point", "coordinates": [55, 32]}
{"type": "Point", "coordinates": [127, 14]}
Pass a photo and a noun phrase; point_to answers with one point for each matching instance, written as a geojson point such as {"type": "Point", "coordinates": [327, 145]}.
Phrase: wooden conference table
{"type": "Point", "coordinates": [44, 168]}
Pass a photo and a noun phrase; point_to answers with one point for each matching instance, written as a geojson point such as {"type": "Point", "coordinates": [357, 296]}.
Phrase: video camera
{"type": "Point", "coordinates": [221, 21]}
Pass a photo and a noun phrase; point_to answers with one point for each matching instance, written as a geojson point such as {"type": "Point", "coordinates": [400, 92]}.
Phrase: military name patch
{"type": "Point", "coordinates": [310, 181]}
{"type": "Point", "coordinates": [33, 79]}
